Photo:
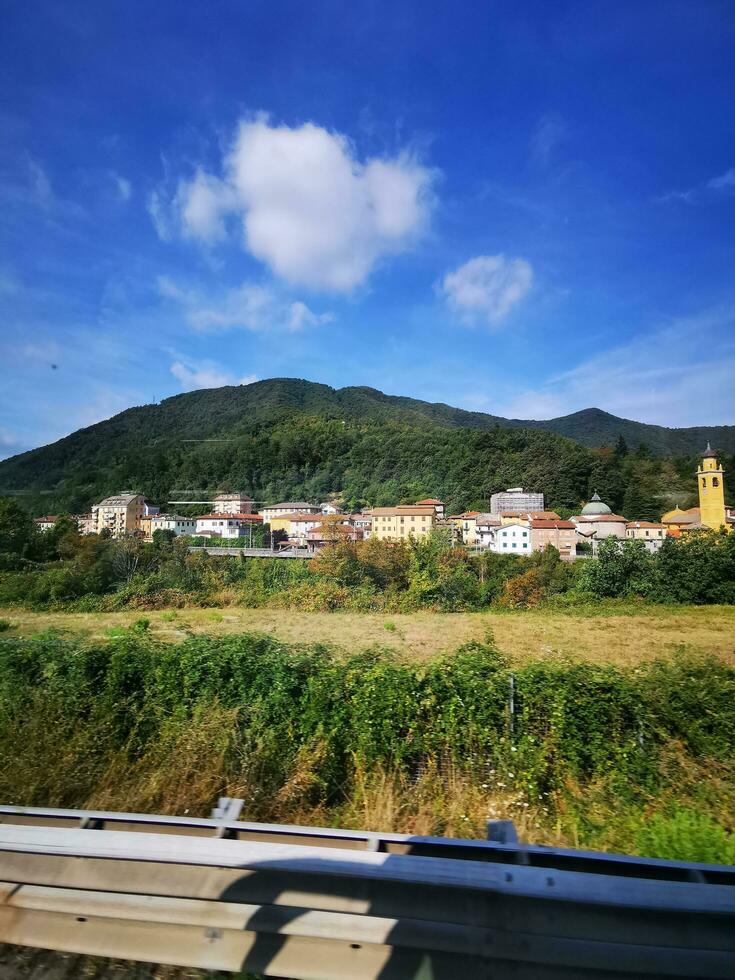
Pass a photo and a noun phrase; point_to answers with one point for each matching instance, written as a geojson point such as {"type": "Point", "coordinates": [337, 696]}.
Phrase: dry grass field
{"type": "Point", "coordinates": [612, 638]}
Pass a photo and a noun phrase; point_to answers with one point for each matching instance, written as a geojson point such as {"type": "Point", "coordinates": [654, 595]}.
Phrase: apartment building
{"type": "Point", "coordinates": [401, 523]}
{"type": "Point", "coordinates": [120, 514]}
{"type": "Point", "coordinates": [516, 499]}
{"type": "Point", "coordinates": [232, 503]}
{"type": "Point", "coordinates": [289, 507]}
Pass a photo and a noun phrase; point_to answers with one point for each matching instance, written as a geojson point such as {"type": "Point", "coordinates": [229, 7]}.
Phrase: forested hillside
{"type": "Point", "coordinates": [283, 439]}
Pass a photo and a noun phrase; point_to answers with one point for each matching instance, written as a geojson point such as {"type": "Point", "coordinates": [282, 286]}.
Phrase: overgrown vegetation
{"type": "Point", "coordinates": [594, 756]}
{"type": "Point", "coordinates": [60, 569]}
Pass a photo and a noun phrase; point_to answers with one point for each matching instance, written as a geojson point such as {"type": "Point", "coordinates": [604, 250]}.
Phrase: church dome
{"type": "Point", "coordinates": [595, 506]}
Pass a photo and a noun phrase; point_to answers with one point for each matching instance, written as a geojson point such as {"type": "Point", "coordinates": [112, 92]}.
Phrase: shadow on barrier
{"type": "Point", "coordinates": [508, 937]}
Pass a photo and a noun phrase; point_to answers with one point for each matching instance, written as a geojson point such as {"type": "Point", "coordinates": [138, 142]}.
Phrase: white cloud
{"type": "Point", "coordinates": [310, 210]}
{"type": "Point", "coordinates": [676, 375]}
{"type": "Point", "coordinates": [206, 374]}
{"type": "Point", "coordinates": [300, 316]}
{"type": "Point", "coordinates": [707, 191]}
{"type": "Point", "coordinates": [123, 186]}
{"type": "Point", "coordinates": [160, 213]}
{"type": "Point", "coordinates": [725, 182]}
{"type": "Point", "coordinates": [487, 287]}
{"type": "Point", "coordinates": [203, 204]}
{"type": "Point", "coordinates": [250, 306]}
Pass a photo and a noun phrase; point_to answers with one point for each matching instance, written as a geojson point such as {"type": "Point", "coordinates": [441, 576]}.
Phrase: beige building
{"type": "Point", "coordinates": [232, 503]}
{"type": "Point", "coordinates": [651, 534]}
{"type": "Point", "coordinates": [120, 515]}
{"type": "Point", "coordinates": [287, 508]}
{"type": "Point", "coordinates": [401, 523]}
{"type": "Point", "coordinates": [561, 534]}
{"type": "Point", "coordinates": [434, 502]}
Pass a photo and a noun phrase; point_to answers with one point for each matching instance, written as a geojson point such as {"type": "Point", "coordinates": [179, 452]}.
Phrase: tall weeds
{"type": "Point", "coordinates": [573, 753]}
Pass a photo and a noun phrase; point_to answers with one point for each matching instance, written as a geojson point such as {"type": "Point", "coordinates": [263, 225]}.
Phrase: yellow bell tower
{"type": "Point", "coordinates": [710, 480]}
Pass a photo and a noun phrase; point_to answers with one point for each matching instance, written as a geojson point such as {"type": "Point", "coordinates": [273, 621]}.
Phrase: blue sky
{"type": "Point", "coordinates": [525, 208]}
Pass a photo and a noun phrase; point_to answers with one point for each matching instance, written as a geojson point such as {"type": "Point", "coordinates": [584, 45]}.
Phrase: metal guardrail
{"type": "Point", "coordinates": [310, 902]}
{"type": "Point", "coordinates": [302, 553]}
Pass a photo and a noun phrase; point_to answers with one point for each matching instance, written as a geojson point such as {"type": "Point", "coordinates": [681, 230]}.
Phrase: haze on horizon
{"type": "Point", "coordinates": [523, 210]}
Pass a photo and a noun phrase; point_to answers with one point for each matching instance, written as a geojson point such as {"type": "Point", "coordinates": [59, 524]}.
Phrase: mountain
{"type": "Point", "coordinates": [286, 438]}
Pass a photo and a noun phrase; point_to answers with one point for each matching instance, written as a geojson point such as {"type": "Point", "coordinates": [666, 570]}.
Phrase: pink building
{"type": "Point", "coordinates": [561, 534]}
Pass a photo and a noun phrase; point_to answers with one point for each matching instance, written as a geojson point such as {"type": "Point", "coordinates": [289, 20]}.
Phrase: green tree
{"type": "Point", "coordinates": [18, 533]}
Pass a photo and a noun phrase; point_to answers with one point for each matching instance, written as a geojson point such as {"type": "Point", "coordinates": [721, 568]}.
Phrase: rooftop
{"type": "Point", "coordinates": [645, 524]}
{"type": "Point", "coordinates": [291, 506]}
{"type": "Point", "coordinates": [230, 517]}
{"type": "Point", "coordinates": [560, 525]}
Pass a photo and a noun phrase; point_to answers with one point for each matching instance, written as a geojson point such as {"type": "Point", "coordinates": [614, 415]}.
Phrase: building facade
{"type": "Point", "coordinates": [173, 522]}
{"type": "Point", "coordinates": [226, 525]}
{"type": "Point", "coordinates": [120, 514]}
{"type": "Point", "coordinates": [711, 486]}
{"type": "Point", "coordinates": [432, 502]}
{"type": "Point", "coordinates": [401, 523]}
{"type": "Point", "coordinates": [512, 539]}
{"type": "Point", "coordinates": [289, 507]}
{"type": "Point", "coordinates": [562, 535]}
{"type": "Point", "coordinates": [650, 533]}
{"type": "Point", "coordinates": [232, 503]}
{"type": "Point", "coordinates": [516, 499]}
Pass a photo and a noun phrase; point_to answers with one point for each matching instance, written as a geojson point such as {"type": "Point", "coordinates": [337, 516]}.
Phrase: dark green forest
{"type": "Point", "coordinates": [287, 439]}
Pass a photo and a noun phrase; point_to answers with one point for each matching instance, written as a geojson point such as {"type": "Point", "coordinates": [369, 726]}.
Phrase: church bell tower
{"type": "Point", "coordinates": [710, 480]}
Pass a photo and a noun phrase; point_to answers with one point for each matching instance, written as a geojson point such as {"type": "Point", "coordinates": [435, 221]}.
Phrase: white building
{"type": "Point", "coordinates": [486, 526]}
{"type": "Point", "coordinates": [233, 503]}
{"type": "Point", "coordinates": [173, 522]}
{"type": "Point", "coordinates": [45, 523]}
{"type": "Point", "coordinates": [329, 508]}
{"type": "Point", "coordinates": [364, 523]}
{"type": "Point", "coordinates": [512, 539]}
{"type": "Point", "coordinates": [280, 510]}
{"type": "Point", "coordinates": [226, 525]}
{"type": "Point", "coordinates": [516, 499]}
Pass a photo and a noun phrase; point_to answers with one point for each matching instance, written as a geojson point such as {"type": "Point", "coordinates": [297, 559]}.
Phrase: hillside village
{"type": "Point", "coordinates": [515, 523]}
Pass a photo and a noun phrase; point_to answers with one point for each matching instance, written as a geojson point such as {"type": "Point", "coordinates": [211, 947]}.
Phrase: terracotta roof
{"type": "Point", "coordinates": [644, 524]}
{"type": "Point", "coordinates": [559, 525]}
{"type": "Point", "coordinates": [470, 513]}
{"type": "Point", "coordinates": [430, 500]}
{"type": "Point", "coordinates": [49, 518]}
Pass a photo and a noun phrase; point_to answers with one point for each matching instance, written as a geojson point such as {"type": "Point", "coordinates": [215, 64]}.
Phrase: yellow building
{"type": "Point", "coordinates": [120, 515]}
{"type": "Point", "coordinates": [401, 523]}
{"type": "Point", "coordinates": [711, 484]}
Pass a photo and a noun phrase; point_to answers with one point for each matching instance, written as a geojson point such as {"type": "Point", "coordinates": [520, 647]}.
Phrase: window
{"type": "Point", "coordinates": [525, 544]}
{"type": "Point", "coordinates": [515, 545]}
{"type": "Point", "coordinates": [715, 482]}
{"type": "Point", "coordinates": [704, 483]}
